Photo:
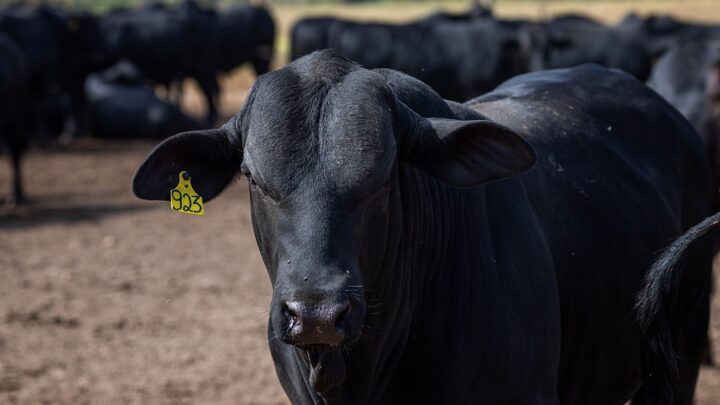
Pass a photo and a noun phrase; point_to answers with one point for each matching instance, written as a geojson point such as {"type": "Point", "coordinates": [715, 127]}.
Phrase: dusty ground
{"type": "Point", "coordinates": [105, 299]}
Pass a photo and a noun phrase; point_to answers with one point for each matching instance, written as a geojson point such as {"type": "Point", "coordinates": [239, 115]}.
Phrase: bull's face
{"type": "Point", "coordinates": [320, 213]}
{"type": "Point", "coordinates": [322, 147]}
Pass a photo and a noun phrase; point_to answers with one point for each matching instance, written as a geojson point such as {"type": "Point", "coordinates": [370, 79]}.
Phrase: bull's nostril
{"type": "Point", "coordinates": [289, 314]}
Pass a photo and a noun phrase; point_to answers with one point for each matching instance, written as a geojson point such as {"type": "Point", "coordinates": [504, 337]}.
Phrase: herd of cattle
{"type": "Point", "coordinates": [68, 71]}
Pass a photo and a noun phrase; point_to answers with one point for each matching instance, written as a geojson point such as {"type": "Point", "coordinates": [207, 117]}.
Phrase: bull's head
{"type": "Point", "coordinates": [322, 143]}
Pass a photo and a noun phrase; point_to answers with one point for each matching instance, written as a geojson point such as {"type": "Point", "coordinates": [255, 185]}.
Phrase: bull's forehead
{"type": "Point", "coordinates": [324, 136]}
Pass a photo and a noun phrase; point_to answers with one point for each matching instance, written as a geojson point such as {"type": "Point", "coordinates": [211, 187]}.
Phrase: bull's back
{"type": "Point", "coordinates": [619, 174]}
{"type": "Point", "coordinates": [598, 131]}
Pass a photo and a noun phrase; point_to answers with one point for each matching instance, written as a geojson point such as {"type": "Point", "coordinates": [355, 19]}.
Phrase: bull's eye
{"type": "Point", "coordinates": [255, 186]}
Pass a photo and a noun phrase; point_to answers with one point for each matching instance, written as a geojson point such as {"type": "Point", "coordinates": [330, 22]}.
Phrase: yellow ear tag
{"type": "Point", "coordinates": [184, 199]}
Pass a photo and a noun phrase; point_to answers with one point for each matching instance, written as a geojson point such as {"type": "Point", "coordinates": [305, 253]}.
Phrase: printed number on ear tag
{"type": "Point", "coordinates": [183, 198]}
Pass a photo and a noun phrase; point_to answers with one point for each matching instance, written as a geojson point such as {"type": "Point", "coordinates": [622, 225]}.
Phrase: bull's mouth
{"type": "Point", "coordinates": [327, 368]}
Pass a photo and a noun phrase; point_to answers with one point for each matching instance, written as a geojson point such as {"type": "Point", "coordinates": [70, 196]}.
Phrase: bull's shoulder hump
{"type": "Point", "coordinates": [587, 76]}
{"type": "Point", "coordinates": [579, 101]}
{"type": "Point", "coordinates": [586, 87]}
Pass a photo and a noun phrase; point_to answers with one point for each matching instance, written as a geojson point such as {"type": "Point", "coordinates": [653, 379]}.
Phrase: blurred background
{"type": "Point", "coordinates": [108, 299]}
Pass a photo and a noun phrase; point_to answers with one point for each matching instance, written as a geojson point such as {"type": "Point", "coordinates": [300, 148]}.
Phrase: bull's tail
{"type": "Point", "coordinates": [655, 306]}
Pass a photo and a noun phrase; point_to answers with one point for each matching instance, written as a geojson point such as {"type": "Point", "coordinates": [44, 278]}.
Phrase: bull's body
{"type": "Point", "coordinates": [402, 274]}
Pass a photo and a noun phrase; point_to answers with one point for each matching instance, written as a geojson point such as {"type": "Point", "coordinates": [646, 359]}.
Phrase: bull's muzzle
{"type": "Point", "coordinates": [317, 323]}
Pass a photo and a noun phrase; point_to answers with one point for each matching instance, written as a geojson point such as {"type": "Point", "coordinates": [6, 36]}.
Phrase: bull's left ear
{"type": "Point", "coordinates": [212, 157]}
{"type": "Point", "coordinates": [468, 153]}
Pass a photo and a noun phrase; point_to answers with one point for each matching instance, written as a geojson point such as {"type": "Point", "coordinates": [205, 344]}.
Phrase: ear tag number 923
{"type": "Point", "coordinates": [184, 199]}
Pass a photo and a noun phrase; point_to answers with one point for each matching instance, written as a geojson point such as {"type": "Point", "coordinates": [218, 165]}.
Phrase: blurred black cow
{"type": "Point", "coordinates": [121, 105]}
{"type": "Point", "coordinates": [169, 44]}
{"type": "Point", "coordinates": [659, 33]}
{"type": "Point", "coordinates": [459, 60]}
{"type": "Point", "coordinates": [688, 76]}
{"type": "Point", "coordinates": [313, 33]}
{"type": "Point", "coordinates": [248, 34]}
{"type": "Point", "coordinates": [310, 34]}
{"type": "Point", "coordinates": [61, 48]}
{"type": "Point", "coordinates": [574, 40]}
{"type": "Point", "coordinates": [14, 105]}
{"type": "Point", "coordinates": [82, 53]}
{"type": "Point", "coordinates": [56, 49]}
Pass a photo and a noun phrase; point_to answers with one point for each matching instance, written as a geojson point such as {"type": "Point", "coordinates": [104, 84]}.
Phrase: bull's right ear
{"type": "Point", "coordinates": [212, 157]}
{"type": "Point", "coordinates": [462, 153]}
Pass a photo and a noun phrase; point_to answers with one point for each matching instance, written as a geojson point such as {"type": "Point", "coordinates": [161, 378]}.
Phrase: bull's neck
{"type": "Point", "coordinates": [438, 222]}
{"type": "Point", "coordinates": [432, 219]}
{"type": "Point", "coordinates": [427, 220]}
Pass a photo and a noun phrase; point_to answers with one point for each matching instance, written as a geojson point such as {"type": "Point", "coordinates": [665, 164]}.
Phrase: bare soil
{"type": "Point", "coordinates": [105, 299]}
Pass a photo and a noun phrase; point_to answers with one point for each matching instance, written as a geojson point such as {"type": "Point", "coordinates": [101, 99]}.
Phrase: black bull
{"type": "Point", "coordinates": [404, 271]}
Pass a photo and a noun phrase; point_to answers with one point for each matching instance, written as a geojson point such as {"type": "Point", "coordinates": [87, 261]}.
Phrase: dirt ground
{"type": "Point", "coordinates": [107, 299]}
